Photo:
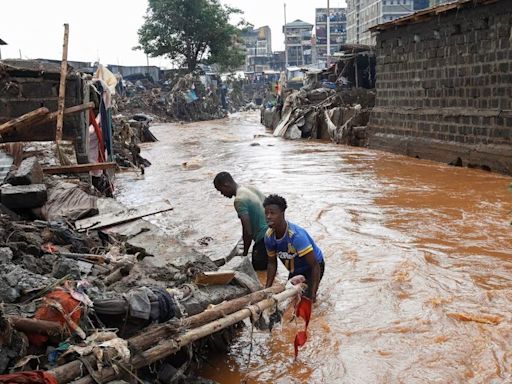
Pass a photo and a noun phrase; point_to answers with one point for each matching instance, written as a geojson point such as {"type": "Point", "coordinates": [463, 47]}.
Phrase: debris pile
{"type": "Point", "coordinates": [90, 291]}
{"type": "Point", "coordinates": [187, 100]}
{"type": "Point", "coordinates": [328, 106]}
{"type": "Point", "coordinates": [128, 134]}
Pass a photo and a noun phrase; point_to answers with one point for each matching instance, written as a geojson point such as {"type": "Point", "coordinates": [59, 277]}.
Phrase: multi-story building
{"type": "Point", "coordinates": [338, 30]}
{"type": "Point", "coordinates": [258, 47]}
{"type": "Point", "coordinates": [298, 37]}
{"type": "Point", "coordinates": [364, 14]}
{"type": "Point", "coordinates": [278, 61]}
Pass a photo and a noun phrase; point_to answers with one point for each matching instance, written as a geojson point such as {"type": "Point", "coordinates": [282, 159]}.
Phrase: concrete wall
{"type": "Point", "coordinates": [444, 88]}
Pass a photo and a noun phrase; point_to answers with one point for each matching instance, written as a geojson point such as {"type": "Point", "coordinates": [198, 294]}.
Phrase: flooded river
{"type": "Point", "coordinates": [417, 286]}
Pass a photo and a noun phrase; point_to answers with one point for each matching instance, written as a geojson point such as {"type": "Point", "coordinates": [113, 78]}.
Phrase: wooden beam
{"type": "Point", "coordinates": [62, 85]}
{"type": "Point", "coordinates": [77, 108]}
{"type": "Point", "coordinates": [24, 120]}
{"type": "Point", "coordinates": [78, 168]}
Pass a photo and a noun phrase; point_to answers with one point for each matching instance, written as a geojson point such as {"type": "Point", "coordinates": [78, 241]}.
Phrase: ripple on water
{"type": "Point", "coordinates": [417, 283]}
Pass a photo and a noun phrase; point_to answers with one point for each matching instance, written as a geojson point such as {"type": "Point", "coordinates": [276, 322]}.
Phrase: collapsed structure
{"type": "Point", "coordinates": [334, 104]}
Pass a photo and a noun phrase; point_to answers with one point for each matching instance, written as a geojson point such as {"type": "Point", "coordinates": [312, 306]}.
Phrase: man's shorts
{"type": "Point", "coordinates": [309, 280]}
{"type": "Point", "coordinates": [259, 256]}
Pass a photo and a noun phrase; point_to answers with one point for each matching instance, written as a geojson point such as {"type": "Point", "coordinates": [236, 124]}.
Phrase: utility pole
{"type": "Point", "coordinates": [328, 34]}
{"type": "Point", "coordinates": [285, 41]}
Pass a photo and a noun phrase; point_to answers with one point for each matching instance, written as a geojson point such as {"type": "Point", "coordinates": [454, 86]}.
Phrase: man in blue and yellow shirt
{"type": "Point", "coordinates": [292, 245]}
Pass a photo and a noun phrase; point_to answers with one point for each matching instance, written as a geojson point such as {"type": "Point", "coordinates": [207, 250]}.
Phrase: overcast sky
{"type": "Point", "coordinates": [107, 29]}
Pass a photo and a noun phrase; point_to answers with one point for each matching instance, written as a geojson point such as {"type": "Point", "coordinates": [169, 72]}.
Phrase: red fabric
{"type": "Point", "coordinates": [99, 135]}
{"type": "Point", "coordinates": [48, 313]}
{"type": "Point", "coordinates": [34, 377]}
{"type": "Point", "coordinates": [303, 310]}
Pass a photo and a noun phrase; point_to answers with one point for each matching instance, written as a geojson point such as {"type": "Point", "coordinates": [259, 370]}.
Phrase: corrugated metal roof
{"type": "Point", "coordinates": [6, 161]}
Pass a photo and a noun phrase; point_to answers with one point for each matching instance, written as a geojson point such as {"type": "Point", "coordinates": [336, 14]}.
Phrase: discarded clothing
{"type": "Point", "coordinates": [58, 306]}
{"type": "Point", "coordinates": [190, 96]}
{"type": "Point", "coordinates": [67, 200]}
{"type": "Point", "coordinates": [150, 304]}
{"type": "Point", "coordinates": [168, 308]}
{"type": "Point", "coordinates": [34, 377]}
{"type": "Point", "coordinates": [139, 301]}
{"type": "Point", "coordinates": [303, 310]}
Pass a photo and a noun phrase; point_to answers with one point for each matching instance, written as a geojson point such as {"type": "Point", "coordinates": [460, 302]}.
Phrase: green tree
{"type": "Point", "coordinates": [191, 31]}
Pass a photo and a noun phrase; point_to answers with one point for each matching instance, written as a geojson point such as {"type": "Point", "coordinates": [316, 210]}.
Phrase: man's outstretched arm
{"type": "Point", "coordinates": [246, 233]}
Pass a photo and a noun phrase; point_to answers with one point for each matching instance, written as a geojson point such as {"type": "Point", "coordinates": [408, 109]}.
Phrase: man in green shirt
{"type": "Point", "coordinates": [249, 206]}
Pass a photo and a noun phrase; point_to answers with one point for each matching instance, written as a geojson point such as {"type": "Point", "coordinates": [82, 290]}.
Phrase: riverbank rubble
{"type": "Point", "coordinates": [90, 291]}
{"type": "Point", "coordinates": [87, 286]}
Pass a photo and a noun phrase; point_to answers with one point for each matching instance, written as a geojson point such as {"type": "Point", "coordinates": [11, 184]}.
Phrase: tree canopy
{"type": "Point", "coordinates": [191, 31]}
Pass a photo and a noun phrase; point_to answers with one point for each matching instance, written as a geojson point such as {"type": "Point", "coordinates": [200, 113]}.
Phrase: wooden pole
{"type": "Point", "coordinates": [70, 371]}
{"type": "Point", "coordinates": [62, 85]}
{"type": "Point", "coordinates": [158, 332]}
{"type": "Point", "coordinates": [22, 324]}
{"type": "Point", "coordinates": [117, 275]}
{"type": "Point", "coordinates": [53, 115]}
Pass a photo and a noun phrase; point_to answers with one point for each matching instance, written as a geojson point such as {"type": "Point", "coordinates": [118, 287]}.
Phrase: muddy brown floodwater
{"type": "Point", "coordinates": [417, 286]}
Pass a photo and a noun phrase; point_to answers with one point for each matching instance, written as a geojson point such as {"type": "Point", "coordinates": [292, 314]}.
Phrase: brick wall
{"type": "Point", "coordinates": [22, 91]}
{"type": "Point", "coordinates": [444, 88]}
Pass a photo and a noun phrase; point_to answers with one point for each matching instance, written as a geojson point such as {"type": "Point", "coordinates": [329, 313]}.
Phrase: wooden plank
{"type": "Point", "coordinates": [110, 219]}
{"type": "Point", "coordinates": [78, 168]}
{"type": "Point", "coordinates": [68, 111]}
{"type": "Point", "coordinates": [214, 278]}
{"type": "Point", "coordinates": [62, 85]}
{"type": "Point", "coordinates": [24, 120]}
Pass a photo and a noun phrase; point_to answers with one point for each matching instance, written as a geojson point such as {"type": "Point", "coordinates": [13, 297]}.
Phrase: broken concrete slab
{"type": "Point", "coordinates": [23, 196]}
{"type": "Point", "coordinates": [29, 172]}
